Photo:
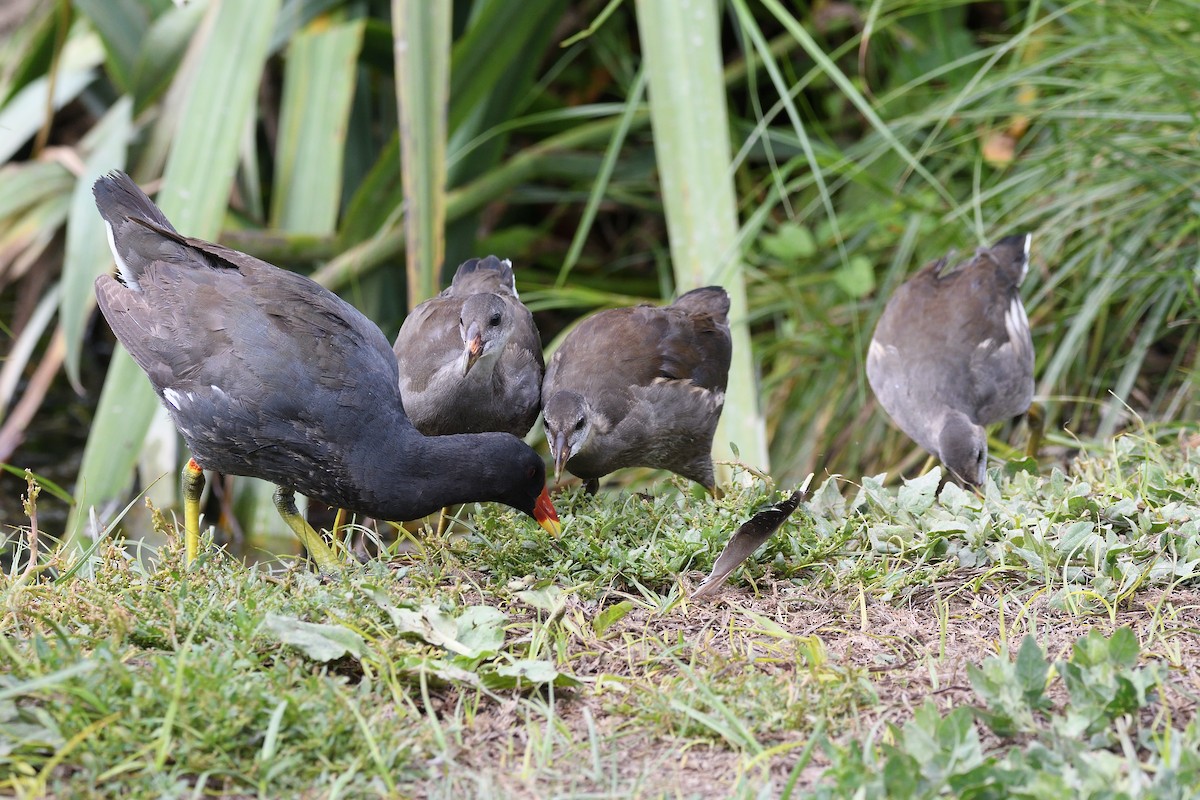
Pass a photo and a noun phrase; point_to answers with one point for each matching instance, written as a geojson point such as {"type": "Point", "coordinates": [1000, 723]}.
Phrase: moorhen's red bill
{"type": "Point", "coordinates": [270, 375]}
{"type": "Point", "coordinates": [640, 387]}
{"type": "Point", "coordinates": [471, 358]}
{"type": "Point", "coordinates": [952, 352]}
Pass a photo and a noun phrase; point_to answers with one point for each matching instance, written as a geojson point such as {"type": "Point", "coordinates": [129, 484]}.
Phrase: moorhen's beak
{"type": "Point", "coordinates": [561, 452]}
{"type": "Point", "coordinates": [544, 513]}
{"type": "Point", "coordinates": [474, 348]}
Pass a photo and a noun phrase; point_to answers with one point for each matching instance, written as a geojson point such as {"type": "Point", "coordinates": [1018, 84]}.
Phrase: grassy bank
{"type": "Point", "coordinates": [1038, 641]}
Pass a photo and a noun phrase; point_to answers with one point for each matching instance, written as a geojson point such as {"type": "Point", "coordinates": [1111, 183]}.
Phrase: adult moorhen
{"type": "Point", "coordinates": [640, 387]}
{"type": "Point", "coordinates": [267, 374]}
{"type": "Point", "coordinates": [471, 358]}
{"type": "Point", "coordinates": [952, 353]}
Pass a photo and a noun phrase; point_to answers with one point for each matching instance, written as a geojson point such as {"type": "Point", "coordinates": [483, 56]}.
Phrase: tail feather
{"type": "Point", "coordinates": [129, 216]}
{"type": "Point", "coordinates": [707, 300]}
{"type": "Point", "coordinates": [1011, 255]}
{"type": "Point", "coordinates": [119, 199]}
{"type": "Point", "coordinates": [484, 275]}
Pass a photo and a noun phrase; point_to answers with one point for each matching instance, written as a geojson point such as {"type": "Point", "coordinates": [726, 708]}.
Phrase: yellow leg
{"type": "Point", "coordinates": [285, 502]}
{"type": "Point", "coordinates": [193, 488]}
{"type": "Point", "coordinates": [1035, 418]}
{"type": "Point", "coordinates": [444, 520]}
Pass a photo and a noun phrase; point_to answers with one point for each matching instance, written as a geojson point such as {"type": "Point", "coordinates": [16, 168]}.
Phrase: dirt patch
{"type": "Point", "coordinates": [631, 724]}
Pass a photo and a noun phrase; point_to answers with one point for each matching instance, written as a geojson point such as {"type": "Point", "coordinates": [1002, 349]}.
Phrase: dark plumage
{"type": "Point", "coordinates": [268, 374]}
{"type": "Point", "coordinates": [471, 358]}
{"type": "Point", "coordinates": [952, 352]}
{"type": "Point", "coordinates": [640, 387]}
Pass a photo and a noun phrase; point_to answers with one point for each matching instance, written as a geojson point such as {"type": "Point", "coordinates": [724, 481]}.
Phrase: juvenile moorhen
{"type": "Point", "coordinates": [640, 387]}
{"type": "Point", "coordinates": [471, 358]}
{"type": "Point", "coordinates": [952, 353]}
{"type": "Point", "coordinates": [267, 374]}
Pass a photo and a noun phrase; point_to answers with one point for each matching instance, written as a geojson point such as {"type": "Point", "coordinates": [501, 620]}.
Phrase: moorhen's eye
{"type": "Point", "coordinates": [494, 321]}
{"type": "Point", "coordinates": [532, 472]}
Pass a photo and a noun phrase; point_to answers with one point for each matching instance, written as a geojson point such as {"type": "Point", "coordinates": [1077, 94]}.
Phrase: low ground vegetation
{"type": "Point", "coordinates": [1036, 641]}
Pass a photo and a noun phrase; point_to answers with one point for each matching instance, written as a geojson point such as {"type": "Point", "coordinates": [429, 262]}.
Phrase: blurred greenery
{"type": "Point", "coordinates": [867, 139]}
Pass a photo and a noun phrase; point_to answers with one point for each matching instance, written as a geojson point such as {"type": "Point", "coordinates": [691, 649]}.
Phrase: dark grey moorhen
{"type": "Point", "coordinates": [268, 374]}
{"type": "Point", "coordinates": [952, 353]}
{"type": "Point", "coordinates": [640, 387]}
{"type": "Point", "coordinates": [471, 358]}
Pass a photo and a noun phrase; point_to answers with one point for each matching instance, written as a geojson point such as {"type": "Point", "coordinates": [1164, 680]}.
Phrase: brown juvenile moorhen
{"type": "Point", "coordinates": [640, 387]}
{"type": "Point", "coordinates": [268, 374]}
{"type": "Point", "coordinates": [952, 352]}
{"type": "Point", "coordinates": [471, 358]}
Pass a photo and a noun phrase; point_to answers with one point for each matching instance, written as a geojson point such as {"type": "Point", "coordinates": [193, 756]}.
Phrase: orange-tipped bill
{"type": "Point", "coordinates": [473, 351]}
{"type": "Point", "coordinates": [546, 516]}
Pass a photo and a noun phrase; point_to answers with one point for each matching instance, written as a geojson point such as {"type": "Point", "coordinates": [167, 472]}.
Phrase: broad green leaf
{"type": "Point", "coordinates": [527, 671]}
{"type": "Point", "coordinates": [294, 15]}
{"type": "Point", "coordinates": [681, 48]}
{"type": "Point", "coordinates": [856, 277]}
{"type": "Point", "coordinates": [548, 598]}
{"type": "Point", "coordinates": [25, 113]}
{"type": "Point", "coordinates": [319, 84]}
{"type": "Point", "coordinates": [422, 45]}
{"type": "Point", "coordinates": [430, 624]}
{"type": "Point", "coordinates": [318, 642]}
{"type": "Point", "coordinates": [29, 51]}
{"type": "Point", "coordinates": [916, 496]}
{"type": "Point", "coordinates": [791, 242]}
{"type": "Point", "coordinates": [194, 194]}
{"type": "Point", "coordinates": [29, 183]}
{"type": "Point", "coordinates": [199, 170]}
{"type": "Point", "coordinates": [87, 254]}
{"type": "Point", "coordinates": [1031, 670]}
{"type": "Point", "coordinates": [122, 25]}
{"type": "Point", "coordinates": [611, 616]}
{"type": "Point", "coordinates": [481, 630]}
{"type": "Point", "coordinates": [500, 37]}
{"type": "Point", "coordinates": [162, 50]}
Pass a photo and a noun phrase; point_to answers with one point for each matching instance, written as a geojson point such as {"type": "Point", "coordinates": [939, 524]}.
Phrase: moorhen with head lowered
{"type": "Point", "coordinates": [952, 353]}
{"type": "Point", "coordinates": [268, 374]}
{"type": "Point", "coordinates": [640, 387]}
{"type": "Point", "coordinates": [471, 358]}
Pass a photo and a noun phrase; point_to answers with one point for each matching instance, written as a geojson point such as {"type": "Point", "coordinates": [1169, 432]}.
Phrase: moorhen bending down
{"type": "Point", "coordinates": [270, 375]}
{"type": "Point", "coordinates": [471, 358]}
{"type": "Point", "coordinates": [952, 353]}
{"type": "Point", "coordinates": [640, 387]}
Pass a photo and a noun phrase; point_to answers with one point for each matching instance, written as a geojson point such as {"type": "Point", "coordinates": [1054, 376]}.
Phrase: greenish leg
{"type": "Point", "coordinates": [1035, 418]}
{"type": "Point", "coordinates": [285, 503]}
{"type": "Point", "coordinates": [193, 488]}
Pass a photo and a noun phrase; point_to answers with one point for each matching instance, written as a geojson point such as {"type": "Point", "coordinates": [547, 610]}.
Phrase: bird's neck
{"type": "Point", "coordinates": [410, 475]}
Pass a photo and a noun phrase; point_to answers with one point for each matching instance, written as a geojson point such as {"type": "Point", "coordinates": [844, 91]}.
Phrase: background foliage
{"type": "Point", "coordinates": [866, 139]}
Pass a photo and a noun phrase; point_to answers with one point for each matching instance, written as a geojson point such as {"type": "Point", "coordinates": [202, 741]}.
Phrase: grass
{"type": "Point", "coordinates": [1036, 641]}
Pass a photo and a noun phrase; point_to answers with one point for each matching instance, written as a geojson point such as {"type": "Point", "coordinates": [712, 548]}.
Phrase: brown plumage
{"type": "Point", "coordinates": [952, 352]}
{"type": "Point", "coordinates": [471, 358]}
{"type": "Point", "coordinates": [640, 387]}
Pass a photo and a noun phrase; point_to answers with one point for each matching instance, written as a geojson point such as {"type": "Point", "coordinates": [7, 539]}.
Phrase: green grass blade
{"type": "Point", "coordinates": [611, 154]}
{"type": "Point", "coordinates": [854, 96]}
{"type": "Point", "coordinates": [422, 47]}
{"type": "Point", "coordinates": [681, 47]}
{"type": "Point", "coordinates": [318, 88]}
